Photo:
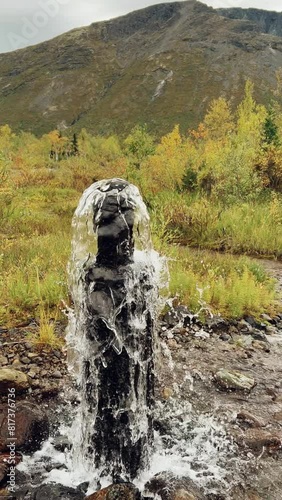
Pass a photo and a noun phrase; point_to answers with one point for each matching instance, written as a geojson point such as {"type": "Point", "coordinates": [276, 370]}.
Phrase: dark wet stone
{"type": "Point", "coordinates": [61, 443]}
{"type": "Point", "coordinates": [123, 491]}
{"type": "Point", "coordinates": [217, 323]}
{"type": "Point", "coordinates": [169, 487]}
{"type": "Point", "coordinates": [258, 335]}
{"type": "Point", "coordinates": [57, 491]}
{"type": "Point", "coordinates": [32, 427]}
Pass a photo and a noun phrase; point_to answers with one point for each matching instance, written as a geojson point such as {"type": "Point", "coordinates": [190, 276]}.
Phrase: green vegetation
{"type": "Point", "coordinates": [219, 187]}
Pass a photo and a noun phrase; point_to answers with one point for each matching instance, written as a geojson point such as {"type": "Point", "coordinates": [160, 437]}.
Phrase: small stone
{"type": "Point", "coordinates": [123, 491]}
{"type": "Point", "coordinates": [172, 344]}
{"type": "Point", "coordinates": [58, 354]}
{"type": "Point", "coordinates": [224, 337]}
{"type": "Point", "coordinates": [62, 443]}
{"type": "Point", "coordinates": [31, 374]}
{"type": "Point", "coordinates": [57, 374]}
{"type": "Point", "coordinates": [271, 330]}
{"type": "Point", "coordinates": [277, 417]}
{"type": "Point", "coordinates": [183, 495]}
{"type": "Point", "coordinates": [43, 373]}
{"type": "Point", "coordinates": [257, 439]}
{"type": "Point", "coordinates": [201, 334]}
{"type": "Point", "coordinates": [244, 326]}
{"type": "Point", "coordinates": [12, 379]}
{"type": "Point", "coordinates": [35, 383]}
{"type": "Point", "coordinates": [25, 361]}
{"type": "Point", "coordinates": [250, 419]}
{"type": "Point", "coordinates": [28, 346]}
{"type": "Point", "coordinates": [169, 335]}
{"type": "Point", "coordinates": [234, 380]}
{"type": "Point", "coordinates": [32, 355]}
{"type": "Point", "coordinates": [266, 317]}
{"type": "Point", "coordinates": [167, 393]}
{"type": "Point", "coordinates": [257, 335]}
{"type": "Point", "coordinates": [3, 360]}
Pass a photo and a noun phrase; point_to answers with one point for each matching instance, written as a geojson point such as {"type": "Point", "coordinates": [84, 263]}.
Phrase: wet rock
{"type": "Point", "coordinates": [12, 379]}
{"type": "Point", "coordinates": [254, 323]}
{"type": "Point", "coordinates": [56, 491]}
{"type": "Point", "coordinates": [178, 315]}
{"type": "Point", "coordinates": [244, 326]}
{"type": "Point", "coordinates": [182, 494]}
{"type": "Point", "coordinates": [169, 487]}
{"type": "Point", "coordinates": [123, 491]}
{"type": "Point", "coordinates": [216, 324]}
{"type": "Point", "coordinates": [258, 335]}
{"type": "Point", "coordinates": [271, 330]}
{"type": "Point", "coordinates": [260, 440]}
{"type": "Point", "coordinates": [249, 420]}
{"type": "Point", "coordinates": [61, 443]}
{"type": "Point", "coordinates": [31, 427]}
{"type": "Point", "coordinates": [234, 380]}
{"type": "Point", "coordinates": [50, 389]}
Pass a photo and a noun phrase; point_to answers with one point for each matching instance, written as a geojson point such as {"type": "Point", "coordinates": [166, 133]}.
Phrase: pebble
{"type": "Point", "coordinates": [169, 335]}
{"type": "Point", "coordinates": [167, 393]}
{"type": "Point", "coordinates": [32, 355]}
{"type": "Point", "coordinates": [234, 380]}
{"type": "Point", "coordinates": [28, 346]}
{"type": "Point", "coordinates": [172, 344]}
{"type": "Point", "coordinates": [271, 330]}
{"type": "Point", "coordinates": [57, 374]}
{"type": "Point", "coordinates": [266, 317]}
{"type": "Point", "coordinates": [3, 360]}
{"type": "Point", "coordinates": [25, 361]}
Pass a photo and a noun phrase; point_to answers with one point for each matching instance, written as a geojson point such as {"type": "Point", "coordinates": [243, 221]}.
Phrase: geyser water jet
{"type": "Point", "coordinates": [114, 286]}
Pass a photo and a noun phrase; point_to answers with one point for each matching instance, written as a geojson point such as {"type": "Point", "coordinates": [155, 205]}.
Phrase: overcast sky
{"type": "Point", "coordinates": [27, 22]}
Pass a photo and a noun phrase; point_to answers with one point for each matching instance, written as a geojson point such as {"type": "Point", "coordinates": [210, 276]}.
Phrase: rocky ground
{"type": "Point", "coordinates": [231, 370]}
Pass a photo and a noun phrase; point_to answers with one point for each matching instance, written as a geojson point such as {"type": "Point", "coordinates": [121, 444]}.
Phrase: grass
{"type": "Point", "coordinates": [36, 207]}
{"type": "Point", "coordinates": [227, 285]}
{"type": "Point", "coordinates": [252, 228]}
{"type": "Point", "coordinates": [46, 335]}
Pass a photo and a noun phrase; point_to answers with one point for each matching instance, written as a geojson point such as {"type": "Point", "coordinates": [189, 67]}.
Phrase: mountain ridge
{"type": "Point", "coordinates": [160, 65]}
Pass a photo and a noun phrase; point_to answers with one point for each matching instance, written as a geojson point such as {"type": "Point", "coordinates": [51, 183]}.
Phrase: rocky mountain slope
{"type": "Point", "coordinates": [160, 65]}
{"type": "Point", "coordinates": [269, 22]}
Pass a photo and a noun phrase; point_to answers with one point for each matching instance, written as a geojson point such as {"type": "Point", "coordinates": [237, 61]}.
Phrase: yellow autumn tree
{"type": "Point", "coordinates": [165, 169]}
{"type": "Point", "coordinates": [219, 122]}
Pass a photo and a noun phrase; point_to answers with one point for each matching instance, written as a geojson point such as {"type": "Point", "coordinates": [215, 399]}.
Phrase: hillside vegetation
{"type": "Point", "coordinates": [217, 187]}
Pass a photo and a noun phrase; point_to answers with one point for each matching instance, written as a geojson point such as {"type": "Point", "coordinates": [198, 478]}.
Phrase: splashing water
{"type": "Point", "coordinates": [114, 284]}
{"type": "Point", "coordinates": [115, 278]}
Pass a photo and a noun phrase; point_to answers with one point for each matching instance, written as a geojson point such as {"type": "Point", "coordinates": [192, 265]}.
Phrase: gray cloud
{"type": "Point", "coordinates": [27, 22]}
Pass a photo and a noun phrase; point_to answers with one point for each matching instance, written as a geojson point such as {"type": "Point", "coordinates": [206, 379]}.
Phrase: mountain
{"type": "Point", "coordinates": [160, 65]}
{"type": "Point", "coordinates": [269, 22]}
